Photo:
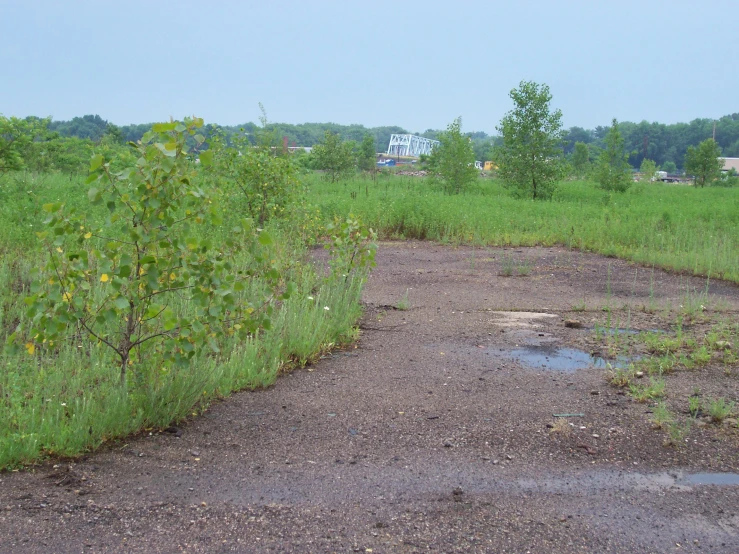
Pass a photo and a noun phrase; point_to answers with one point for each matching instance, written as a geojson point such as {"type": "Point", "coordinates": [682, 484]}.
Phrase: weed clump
{"type": "Point", "coordinates": [719, 409]}
{"type": "Point", "coordinates": [561, 427]}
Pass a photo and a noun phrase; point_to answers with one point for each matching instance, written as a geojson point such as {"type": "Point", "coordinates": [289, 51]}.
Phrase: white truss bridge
{"type": "Point", "coordinates": [410, 145]}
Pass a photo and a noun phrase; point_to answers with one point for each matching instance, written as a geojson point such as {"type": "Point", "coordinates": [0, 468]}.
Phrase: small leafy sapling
{"type": "Point", "coordinates": [366, 153]}
{"type": "Point", "coordinates": [613, 171]}
{"type": "Point", "coordinates": [334, 156]}
{"type": "Point", "coordinates": [148, 283]}
{"type": "Point", "coordinates": [530, 153]}
{"type": "Point", "coordinates": [352, 247]}
{"type": "Point", "coordinates": [453, 160]}
{"type": "Point", "coordinates": [704, 162]}
{"type": "Point", "coordinates": [261, 183]}
{"type": "Point", "coordinates": [648, 170]}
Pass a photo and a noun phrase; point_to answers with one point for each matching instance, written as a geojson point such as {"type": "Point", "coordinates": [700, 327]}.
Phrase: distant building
{"type": "Point", "coordinates": [729, 164]}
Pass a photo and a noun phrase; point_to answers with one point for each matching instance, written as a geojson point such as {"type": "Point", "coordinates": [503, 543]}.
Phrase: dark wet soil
{"type": "Point", "coordinates": [434, 433]}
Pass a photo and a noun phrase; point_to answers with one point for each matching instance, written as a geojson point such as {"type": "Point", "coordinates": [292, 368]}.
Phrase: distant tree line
{"type": "Point", "coordinates": [664, 144]}
{"type": "Point", "coordinates": [94, 127]}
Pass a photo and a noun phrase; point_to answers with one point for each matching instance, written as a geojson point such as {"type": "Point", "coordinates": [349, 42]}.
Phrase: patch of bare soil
{"type": "Point", "coordinates": [435, 433]}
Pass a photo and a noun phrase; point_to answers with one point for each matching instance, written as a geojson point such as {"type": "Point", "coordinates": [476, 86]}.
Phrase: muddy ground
{"type": "Point", "coordinates": [432, 434]}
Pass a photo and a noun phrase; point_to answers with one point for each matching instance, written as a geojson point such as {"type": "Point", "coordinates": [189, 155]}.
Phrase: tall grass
{"type": "Point", "coordinates": [681, 228]}
{"type": "Point", "coordinates": [71, 400]}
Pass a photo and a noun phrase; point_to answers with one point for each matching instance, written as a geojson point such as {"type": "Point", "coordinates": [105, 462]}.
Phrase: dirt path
{"type": "Point", "coordinates": [430, 435]}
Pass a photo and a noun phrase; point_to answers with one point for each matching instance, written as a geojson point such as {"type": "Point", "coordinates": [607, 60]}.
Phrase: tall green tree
{"type": "Point", "coordinates": [114, 134]}
{"type": "Point", "coordinates": [453, 160]}
{"type": "Point", "coordinates": [530, 157]}
{"type": "Point", "coordinates": [580, 159]}
{"type": "Point", "coordinates": [703, 162]}
{"type": "Point", "coordinates": [613, 171]}
{"type": "Point", "coordinates": [334, 156]}
{"type": "Point", "coordinates": [367, 156]}
{"type": "Point", "coordinates": [648, 169]}
{"type": "Point", "coordinates": [16, 140]}
{"type": "Point", "coordinates": [669, 166]}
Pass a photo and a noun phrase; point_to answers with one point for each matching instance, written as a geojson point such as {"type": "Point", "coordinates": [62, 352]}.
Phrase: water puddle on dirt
{"type": "Point", "coordinates": [537, 356]}
{"type": "Point", "coordinates": [612, 331]}
{"type": "Point", "coordinates": [615, 331]}
{"type": "Point", "coordinates": [724, 479]}
{"type": "Point", "coordinates": [567, 360]}
{"type": "Point", "coordinates": [520, 320]}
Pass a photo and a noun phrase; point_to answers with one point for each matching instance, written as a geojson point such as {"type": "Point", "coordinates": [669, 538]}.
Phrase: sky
{"type": "Point", "coordinates": [414, 64]}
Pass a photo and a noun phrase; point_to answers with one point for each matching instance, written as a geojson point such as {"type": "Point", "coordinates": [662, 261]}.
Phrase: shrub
{"type": "Point", "coordinates": [146, 284]}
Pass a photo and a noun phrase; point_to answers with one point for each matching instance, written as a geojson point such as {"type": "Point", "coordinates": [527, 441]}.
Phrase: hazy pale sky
{"type": "Point", "coordinates": [414, 64]}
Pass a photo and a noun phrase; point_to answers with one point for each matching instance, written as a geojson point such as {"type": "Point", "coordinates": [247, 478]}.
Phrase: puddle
{"type": "Point", "coordinates": [520, 319]}
{"type": "Point", "coordinates": [612, 331]}
{"type": "Point", "coordinates": [567, 360]}
{"type": "Point", "coordinates": [725, 479]}
{"type": "Point", "coordinates": [620, 331]}
{"type": "Point", "coordinates": [537, 356]}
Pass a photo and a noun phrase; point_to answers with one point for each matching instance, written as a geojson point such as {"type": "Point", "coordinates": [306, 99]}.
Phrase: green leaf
{"type": "Point", "coordinates": [206, 158]}
{"type": "Point", "coordinates": [163, 127]}
{"type": "Point", "coordinates": [12, 348]}
{"type": "Point", "coordinates": [168, 164]}
{"type": "Point", "coordinates": [265, 239]}
{"type": "Point", "coordinates": [289, 290]}
{"type": "Point", "coordinates": [96, 162]}
{"type": "Point", "coordinates": [152, 310]}
{"type": "Point", "coordinates": [213, 345]}
{"type": "Point", "coordinates": [121, 303]}
{"type": "Point", "coordinates": [110, 315]}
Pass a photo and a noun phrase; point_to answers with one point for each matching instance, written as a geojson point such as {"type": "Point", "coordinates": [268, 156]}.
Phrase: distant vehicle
{"type": "Point", "coordinates": [388, 162]}
{"type": "Point", "coordinates": [667, 177]}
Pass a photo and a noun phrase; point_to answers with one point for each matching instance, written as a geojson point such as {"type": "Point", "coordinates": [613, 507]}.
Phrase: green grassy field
{"type": "Point", "coordinates": [676, 227]}
{"type": "Point", "coordinates": [71, 401]}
